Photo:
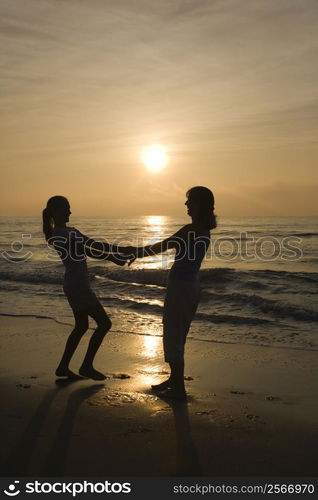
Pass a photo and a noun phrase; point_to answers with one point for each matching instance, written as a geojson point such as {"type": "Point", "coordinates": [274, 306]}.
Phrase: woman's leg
{"type": "Point", "coordinates": [187, 313]}
{"type": "Point", "coordinates": [81, 326]}
{"type": "Point", "coordinates": [177, 377]}
{"type": "Point", "coordinates": [180, 305]}
{"type": "Point", "coordinates": [174, 386]}
{"type": "Point", "coordinates": [164, 385]}
{"type": "Point", "coordinates": [103, 326]}
{"type": "Point", "coordinates": [175, 380]}
{"type": "Point", "coordinates": [169, 295]}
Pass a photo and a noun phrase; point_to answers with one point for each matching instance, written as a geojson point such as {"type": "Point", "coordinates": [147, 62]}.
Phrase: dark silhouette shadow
{"type": "Point", "coordinates": [54, 464]}
{"type": "Point", "coordinates": [18, 462]}
{"type": "Point", "coordinates": [187, 459]}
{"type": "Point", "coordinates": [65, 382]}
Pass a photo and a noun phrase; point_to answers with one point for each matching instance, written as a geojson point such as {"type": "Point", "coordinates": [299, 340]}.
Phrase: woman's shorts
{"type": "Point", "coordinates": [180, 305]}
{"type": "Point", "coordinates": [80, 297]}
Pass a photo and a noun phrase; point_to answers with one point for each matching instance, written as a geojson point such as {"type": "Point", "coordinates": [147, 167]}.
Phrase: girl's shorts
{"type": "Point", "coordinates": [181, 302]}
{"type": "Point", "coordinates": [80, 297]}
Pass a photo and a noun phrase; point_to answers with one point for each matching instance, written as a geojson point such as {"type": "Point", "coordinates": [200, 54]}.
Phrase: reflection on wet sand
{"type": "Point", "coordinates": [187, 458]}
{"type": "Point", "coordinates": [151, 346]}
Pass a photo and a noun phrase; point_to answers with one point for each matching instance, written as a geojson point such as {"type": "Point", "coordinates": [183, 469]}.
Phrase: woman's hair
{"type": "Point", "coordinates": [204, 199]}
{"type": "Point", "coordinates": [53, 205]}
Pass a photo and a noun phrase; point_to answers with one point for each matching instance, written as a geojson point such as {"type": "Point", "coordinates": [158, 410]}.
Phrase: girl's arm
{"type": "Point", "coordinates": [108, 247]}
{"type": "Point", "coordinates": [103, 246]}
{"type": "Point", "coordinates": [120, 260]}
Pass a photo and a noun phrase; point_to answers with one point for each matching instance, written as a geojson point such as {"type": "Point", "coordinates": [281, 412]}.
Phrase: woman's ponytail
{"type": "Point", "coordinates": [212, 220]}
{"type": "Point", "coordinates": [204, 199]}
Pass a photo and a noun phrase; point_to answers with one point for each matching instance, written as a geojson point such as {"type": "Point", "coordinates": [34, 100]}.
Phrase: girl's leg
{"type": "Point", "coordinates": [103, 326]}
{"type": "Point", "coordinates": [81, 326]}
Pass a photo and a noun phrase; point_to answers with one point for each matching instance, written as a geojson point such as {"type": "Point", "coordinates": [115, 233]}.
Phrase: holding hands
{"type": "Point", "coordinates": [126, 255]}
{"type": "Point", "coordinates": [118, 255]}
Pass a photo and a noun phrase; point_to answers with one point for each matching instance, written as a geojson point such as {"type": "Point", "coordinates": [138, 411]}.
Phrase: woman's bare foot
{"type": "Point", "coordinates": [171, 393]}
{"type": "Point", "coordinates": [65, 372]}
{"type": "Point", "coordinates": [161, 387]}
{"type": "Point", "coordinates": [90, 372]}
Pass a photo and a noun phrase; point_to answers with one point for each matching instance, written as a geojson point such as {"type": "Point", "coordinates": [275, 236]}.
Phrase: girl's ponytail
{"type": "Point", "coordinates": [55, 203]}
{"type": "Point", "coordinates": [47, 224]}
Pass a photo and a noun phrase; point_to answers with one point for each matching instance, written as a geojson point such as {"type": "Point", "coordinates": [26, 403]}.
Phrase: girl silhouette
{"type": "Point", "coordinates": [73, 247]}
{"type": "Point", "coordinates": [182, 296]}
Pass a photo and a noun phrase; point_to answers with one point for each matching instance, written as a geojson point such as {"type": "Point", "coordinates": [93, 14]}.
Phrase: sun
{"type": "Point", "coordinates": [154, 157]}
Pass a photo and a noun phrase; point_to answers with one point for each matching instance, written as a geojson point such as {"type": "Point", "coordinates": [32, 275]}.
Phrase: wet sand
{"type": "Point", "coordinates": [251, 411]}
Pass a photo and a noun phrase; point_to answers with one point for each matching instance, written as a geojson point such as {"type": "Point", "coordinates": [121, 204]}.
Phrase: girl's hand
{"type": "Point", "coordinates": [119, 259]}
{"type": "Point", "coordinates": [131, 261]}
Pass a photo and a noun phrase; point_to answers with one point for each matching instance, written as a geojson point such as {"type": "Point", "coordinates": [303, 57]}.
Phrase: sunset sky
{"type": "Point", "coordinates": [228, 87]}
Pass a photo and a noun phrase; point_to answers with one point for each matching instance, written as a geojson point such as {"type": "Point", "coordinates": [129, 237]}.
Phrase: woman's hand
{"type": "Point", "coordinates": [130, 254]}
{"type": "Point", "coordinates": [120, 259]}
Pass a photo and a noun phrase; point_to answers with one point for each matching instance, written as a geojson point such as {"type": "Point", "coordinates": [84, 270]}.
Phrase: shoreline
{"type": "Point", "coordinates": [189, 337]}
{"type": "Point", "coordinates": [250, 411]}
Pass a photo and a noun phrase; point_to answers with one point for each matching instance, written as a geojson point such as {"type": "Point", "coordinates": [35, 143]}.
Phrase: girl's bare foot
{"type": "Point", "coordinates": [90, 372]}
{"type": "Point", "coordinates": [161, 387]}
{"type": "Point", "coordinates": [65, 372]}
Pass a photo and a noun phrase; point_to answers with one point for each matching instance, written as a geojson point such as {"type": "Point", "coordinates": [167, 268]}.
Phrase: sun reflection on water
{"type": "Point", "coordinates": [156, 223]}
{"type": "Point", "coordinates": [155, 230]}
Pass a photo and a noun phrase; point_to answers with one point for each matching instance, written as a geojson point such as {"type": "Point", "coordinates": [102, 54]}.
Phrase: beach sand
{"type": "Point", "coordinates": [251, 411]}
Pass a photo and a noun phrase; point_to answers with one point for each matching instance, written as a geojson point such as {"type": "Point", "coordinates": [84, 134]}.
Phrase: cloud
{"type": "Point", "coordinates": [87, 80]}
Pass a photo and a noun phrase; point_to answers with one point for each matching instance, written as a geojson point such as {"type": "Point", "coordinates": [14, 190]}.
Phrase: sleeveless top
{"type": "Point", "coordinates": [189, 256]}
{"type": "Point", "coordinates": [69, 244]}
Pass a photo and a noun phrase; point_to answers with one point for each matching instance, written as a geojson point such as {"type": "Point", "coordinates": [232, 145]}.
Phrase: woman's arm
{"type": "Point", "coordinates": [174, 241]}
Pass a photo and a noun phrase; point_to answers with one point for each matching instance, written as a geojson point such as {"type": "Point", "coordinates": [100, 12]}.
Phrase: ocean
{"type": "Point", "coordinates": [258, 280]}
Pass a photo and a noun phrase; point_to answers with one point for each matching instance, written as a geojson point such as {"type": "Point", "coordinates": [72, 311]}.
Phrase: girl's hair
{"type": "Point", "coordinates": [53, 204]}
{"type": "Point", "coordinates": [204, 198]}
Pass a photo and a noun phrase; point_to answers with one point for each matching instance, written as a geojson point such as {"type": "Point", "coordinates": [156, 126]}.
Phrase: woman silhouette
{"type": "Point", "coordinates": [73, 247]}
{"type": "Point", "coordinates": [182, 296]}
